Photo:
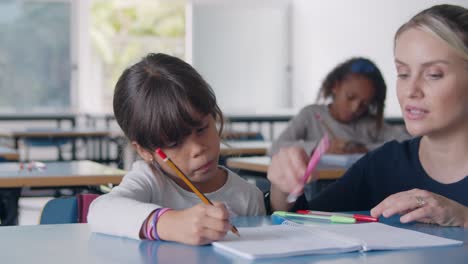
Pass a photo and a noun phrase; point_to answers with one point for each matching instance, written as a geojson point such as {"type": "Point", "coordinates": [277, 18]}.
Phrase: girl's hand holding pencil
{"type": "Point", "coordinates": [338, 145]}
{"type": "Point", "coordinates": [201, 229]}
{"type": "Point", "coordinates": [198, 225]}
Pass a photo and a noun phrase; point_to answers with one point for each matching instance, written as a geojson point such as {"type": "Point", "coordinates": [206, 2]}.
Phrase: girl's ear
{"type": "Point", "coordinates": [144, 154]}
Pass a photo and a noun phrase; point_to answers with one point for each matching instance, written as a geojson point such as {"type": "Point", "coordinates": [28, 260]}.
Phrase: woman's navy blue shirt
{"type": "Point", "coordinates": [392, 168]}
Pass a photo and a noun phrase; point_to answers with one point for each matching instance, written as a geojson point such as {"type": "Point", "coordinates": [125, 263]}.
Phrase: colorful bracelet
{"type": "Point", "coordinates": [148, 228]}
{"type": "Point", "coordinates": [158, 214]}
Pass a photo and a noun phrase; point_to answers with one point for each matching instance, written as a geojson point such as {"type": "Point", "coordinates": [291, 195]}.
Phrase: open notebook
{"type": "Point", "coordinates": [292, 240]}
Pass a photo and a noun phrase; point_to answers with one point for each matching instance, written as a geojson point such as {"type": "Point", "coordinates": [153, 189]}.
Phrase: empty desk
{"type": "Point", "coordinates": [59, 174]}
{"type": "Point", "coordinates": [260, 164]}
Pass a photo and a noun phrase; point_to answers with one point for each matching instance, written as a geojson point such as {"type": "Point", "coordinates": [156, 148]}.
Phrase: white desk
{"type": "Point", "coordinates": [248, 147]}
{"type": "Point", "coordinates": [9, 153]}
{"type": "Point", "coordinates": [63, 173]}
{"type": "Point", "coordinates": [74, 243]}
{"type": "Point", "coordinates": [261, 164]}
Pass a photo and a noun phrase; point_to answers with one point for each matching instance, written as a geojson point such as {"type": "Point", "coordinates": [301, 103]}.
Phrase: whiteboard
{"type": "Point", "coordinates": [242, 49]}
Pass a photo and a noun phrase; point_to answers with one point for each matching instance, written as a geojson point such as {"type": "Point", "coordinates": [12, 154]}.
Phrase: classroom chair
{"type": "Point", "coordinates": [67, 210]}
{"type": "Point", "coordinates": [260, 181]}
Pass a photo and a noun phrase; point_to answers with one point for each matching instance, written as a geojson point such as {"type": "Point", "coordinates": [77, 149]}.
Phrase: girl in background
{"type": "Point", "coordinates": [353, 118]}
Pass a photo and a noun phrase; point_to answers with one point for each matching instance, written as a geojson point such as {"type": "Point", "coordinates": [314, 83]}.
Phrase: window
{"type": "Point", "coordinates": [123, 31]}
{"type": "Point", "coordinates": [34, 55]}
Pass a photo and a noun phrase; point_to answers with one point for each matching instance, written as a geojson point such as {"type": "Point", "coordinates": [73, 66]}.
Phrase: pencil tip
{"type": "Point", "coordinates": [235, 231]}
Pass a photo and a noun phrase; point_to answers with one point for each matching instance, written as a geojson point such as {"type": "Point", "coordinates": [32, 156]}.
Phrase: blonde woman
{"type": "Point", "coordinates": [423, 179]}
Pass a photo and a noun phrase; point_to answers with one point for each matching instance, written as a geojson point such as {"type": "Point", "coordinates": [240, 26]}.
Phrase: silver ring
{"type": "Point", "coordinates": [420, 201]}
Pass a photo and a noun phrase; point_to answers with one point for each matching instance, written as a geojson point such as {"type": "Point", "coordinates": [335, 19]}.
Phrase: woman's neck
{"type": "Point", "coordinates": [444, 157]}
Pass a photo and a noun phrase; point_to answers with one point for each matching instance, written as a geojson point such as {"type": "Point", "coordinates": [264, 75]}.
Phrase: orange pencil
{"type": "Point", "coordinates": [181, 175]}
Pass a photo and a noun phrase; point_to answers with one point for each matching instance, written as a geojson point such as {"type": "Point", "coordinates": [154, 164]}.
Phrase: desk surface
{"type": "Point", "coordinates": [65, 173]}
{"type": "Point", "coordinates": [261, 163]}
{"type": "Point", "coordinates": [9, 153]}
{"type": "Point", "coordinates": [74, 243]}
{"type": "Point", "coordinates": [248, 147]}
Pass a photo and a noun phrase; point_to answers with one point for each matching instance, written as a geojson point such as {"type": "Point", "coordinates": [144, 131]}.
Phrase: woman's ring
{"type": "Point", "coordinates": [420, 201]}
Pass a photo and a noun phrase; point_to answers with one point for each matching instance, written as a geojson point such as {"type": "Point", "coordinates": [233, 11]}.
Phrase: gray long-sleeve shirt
{"type": "Point", "coordinates": [306, 130]}
{"type": "Point", "coordinates": [122, 211]}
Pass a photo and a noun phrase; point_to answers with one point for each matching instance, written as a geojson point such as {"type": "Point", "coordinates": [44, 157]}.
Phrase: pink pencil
{"type": "Point", "coordinates": [314, 160]}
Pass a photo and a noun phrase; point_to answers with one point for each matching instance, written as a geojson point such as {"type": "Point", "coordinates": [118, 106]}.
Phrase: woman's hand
{"type": "Point", "coordinates": [352, 147]}
{"type": "Point", "coordinates": [423, 206]}
{"type": "Point", "coordinates": [285, 174]}
{"type": "Point", "coordinates": [337, 146]}
{"type": "Point", "coordinates": [341, 146]}
{"type": "Point", "coordinates": [198, 225]}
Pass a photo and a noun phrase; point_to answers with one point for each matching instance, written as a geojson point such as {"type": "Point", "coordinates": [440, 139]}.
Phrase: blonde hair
{"type": "Point", "coordinates": [447, 22]}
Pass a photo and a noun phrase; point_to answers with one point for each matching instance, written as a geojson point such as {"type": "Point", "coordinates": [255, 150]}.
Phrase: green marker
{"type": "Point", "coordinates": [332, 218]}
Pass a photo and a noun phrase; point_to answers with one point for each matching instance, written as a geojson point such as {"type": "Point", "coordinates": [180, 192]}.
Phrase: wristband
{"type": "Point", "coordinates": [148, 225]}
{"type": "Point", "coordinates": [158, 214]}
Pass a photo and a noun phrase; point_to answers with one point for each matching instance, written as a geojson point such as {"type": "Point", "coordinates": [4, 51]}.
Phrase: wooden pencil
{"type": "Point", "coordinates": [187, 181]}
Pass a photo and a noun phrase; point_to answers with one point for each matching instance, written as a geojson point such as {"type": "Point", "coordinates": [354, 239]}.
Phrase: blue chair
{"type": "Point", "coordinates": [67, 210]}
{"type": "Point", "coordinates": [260, 181]}
{"type": "Point", "coordinates": [60, 211]}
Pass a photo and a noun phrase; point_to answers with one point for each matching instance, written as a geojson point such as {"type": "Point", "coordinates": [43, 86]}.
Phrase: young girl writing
{"type": "Point", "coordinates": [162, 102]}
{"type": "Point", "coordinates": [423, 179]}
{"type": "Point", "coordinates": [353, 118]}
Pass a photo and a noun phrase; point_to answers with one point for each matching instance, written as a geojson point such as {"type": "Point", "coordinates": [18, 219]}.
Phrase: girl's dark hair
{"type": "Point", "coordinates": [161, 99]}
{"type": "Point", "coordinates": [361, 67]}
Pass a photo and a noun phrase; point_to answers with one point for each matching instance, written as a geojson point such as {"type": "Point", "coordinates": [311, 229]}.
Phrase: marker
{"type": "Point", "coordinates": [358, 217]}
{"type": "Point", "coordinates": [314, 160]}
{"type": "Point", "coordinates": [338, 219]}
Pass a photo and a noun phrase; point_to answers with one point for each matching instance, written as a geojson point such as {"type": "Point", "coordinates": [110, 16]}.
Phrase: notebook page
{"type": "Point", "coordinates": [378, 236]}
{"type": "Point", "coordinates": [283, 241]}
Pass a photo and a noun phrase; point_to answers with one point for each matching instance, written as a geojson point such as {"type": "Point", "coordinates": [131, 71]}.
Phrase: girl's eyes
{"type": "Point", "coordinates": [201, 129]}
{"type": "Point", "coordinates": [173, 144]}
{"type": "Point", "coordinates": [402, 76]}
{"type": "Point", "coordinates": [350, 97]}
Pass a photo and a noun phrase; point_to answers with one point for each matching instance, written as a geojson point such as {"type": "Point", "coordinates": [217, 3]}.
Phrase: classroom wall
{"type": "Point", "coordinates": [330, 32]}
{"type": "Point", "coordinates": [319, 36]}
{"type": "Point", "coordinates": [241, 48]}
